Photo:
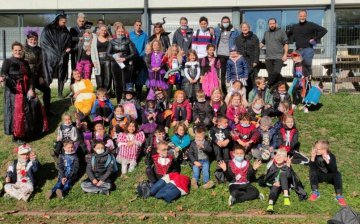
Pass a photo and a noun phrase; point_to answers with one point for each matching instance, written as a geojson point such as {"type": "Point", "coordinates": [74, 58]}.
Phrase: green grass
{"type": "Point", "coordinates": [337, 120]}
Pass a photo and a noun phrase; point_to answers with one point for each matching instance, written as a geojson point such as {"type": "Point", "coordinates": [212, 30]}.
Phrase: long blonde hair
{"type": "Point", "coordinates": [170, 52]}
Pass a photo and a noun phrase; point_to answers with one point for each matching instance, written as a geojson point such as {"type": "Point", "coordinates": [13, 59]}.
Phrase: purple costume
{"type": "Point", "coordinates": [156, 79]}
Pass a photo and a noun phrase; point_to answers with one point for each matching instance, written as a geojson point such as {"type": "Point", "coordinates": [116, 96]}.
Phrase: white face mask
{"type": "Point", "coordinates": [257, 106]}
{"type": "Point", "coordinates": [226, 25]}
{"type": "Point", "coordinates": [99, 150]}
{"type": "Point", "coordinates": [239, 158]}
{"type": "Point", "coordinates": [245, 125]}
{"type": "Point", "coordinates": [32, 45]}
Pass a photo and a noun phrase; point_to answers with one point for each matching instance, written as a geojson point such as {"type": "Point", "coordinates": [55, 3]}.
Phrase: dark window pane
{"type": "Point", "coordinates": [8, 20]}
{"type": "Point", "coordinates": [38, 20]}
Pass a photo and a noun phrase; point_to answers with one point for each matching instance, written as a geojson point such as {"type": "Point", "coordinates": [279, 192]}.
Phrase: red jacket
{"type": "Point", "coordinates": [247, 134]}
{"type": "Point", "coordinates": [231, 112]}
{"type": "Point", "coordinates": [181, 181]}
{"type": "Point", "coordinates": [187, 105]}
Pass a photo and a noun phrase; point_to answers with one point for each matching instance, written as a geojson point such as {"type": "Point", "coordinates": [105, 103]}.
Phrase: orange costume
{"type": "Point", "coordinates": [85, 100]}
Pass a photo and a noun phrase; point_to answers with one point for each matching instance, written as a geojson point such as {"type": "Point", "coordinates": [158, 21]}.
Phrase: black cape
{"type": "Point", "coordinates": [54, 42]}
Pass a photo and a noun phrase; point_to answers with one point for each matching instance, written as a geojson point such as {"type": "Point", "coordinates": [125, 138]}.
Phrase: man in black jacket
{"type": "Point", "coordinates": [248, 46]}
{"type": "Point", "coordinates": [76, 35]}
{"type": "Point", "coordinates": [306, 35]}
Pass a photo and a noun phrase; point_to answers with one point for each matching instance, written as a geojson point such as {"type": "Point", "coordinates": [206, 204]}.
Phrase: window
{"type": "Point", "coordinates": [38, 20]}
{"type": "Point", "coordinates": [91, 17]}
{"type": "Point", "coordinates": [9, 20]}
{"type": "Point", "coordinates": [258, 20]}
{"type": "Point", "coordinates": [348, 27]}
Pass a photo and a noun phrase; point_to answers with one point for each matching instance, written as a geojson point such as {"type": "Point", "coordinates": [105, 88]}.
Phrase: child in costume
{"type": "Point", "coordinates": [174, 61]}
{"type": "Point", "coordinates": [181, 108]}
{"type": "Point", "coordinates": [84, 63]}
{"type": "Point", "coordinates": [257, 110]}
{"type": "Point", "coordinates": [268, 140]}
{"type": "Point", "coordinates": [235, 110]}
{"type": "Point", "coordinates": [191, 81]}
{"type": "Point", "coordinates": [210, 66]}
{"type": "Point", "coordinates": [202, 110]}
{"type": "Point", "coordinates": [83, 95]}
{"type": "Point", "coordinates": [130, 104]}
{"type": "Point", "coordinates": [181, 140]}
{"type": "Point", "coordinates": [118, 123]}
{"type": "Point", "coordinates": [217, 104]}
{"type": "Point", "coordinates": [156, 66]}
{"type": "Point", "coordinates": [262, 92]}
{"type": "Point", "coordinates": [149, 117]}
{"type": "Point", "coordinates": [281, 94]}
{"type": "Point", "coordinates": [237, 87]}
{"type": "Point", "coordinates": [221, 139]}
{"type": "Point", "coordinates": [102, 106]}
{"type": "Point", "coordinates": [101, 135]}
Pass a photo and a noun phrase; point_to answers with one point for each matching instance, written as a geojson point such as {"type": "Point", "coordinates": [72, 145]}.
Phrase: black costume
{"type": "Point", "coordinates": [218, 134]}
{"type": "Point", "coordinates": [164, 39]}
{"type": "Point", "coordinates": [76, 33]}
{"type": "Point", "coordinates": [54, 42]}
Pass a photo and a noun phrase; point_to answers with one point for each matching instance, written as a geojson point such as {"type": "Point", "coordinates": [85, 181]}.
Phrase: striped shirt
{"type": "Point", "coordinates": [199, 42]}
{"type": "Point", "coordinates": [130, 152]}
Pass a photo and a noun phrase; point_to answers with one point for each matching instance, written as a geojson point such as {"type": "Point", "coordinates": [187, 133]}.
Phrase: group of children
{"type": "Point", "coordinates": [197, 127]}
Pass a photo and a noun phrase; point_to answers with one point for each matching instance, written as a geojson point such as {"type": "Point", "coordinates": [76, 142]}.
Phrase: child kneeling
{"type": "Point", "coordinates": [239, 173]}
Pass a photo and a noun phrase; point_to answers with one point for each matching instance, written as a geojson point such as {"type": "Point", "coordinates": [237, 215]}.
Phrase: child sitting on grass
{"type": "Point", "coordinates": [261, 91]}
{"type": "Point", "coordinates": [181, 108]}
{"type": "Point", "coordinates": [240, 173]}
{"type": "Point", "coordinates": [221, 139]}
{"type": "Point", "coordinates": [102, 106]}
{"type": "Point", "coordinates": [68, 170]}
{"type": "Point", "coordinates": [323, 168]}
{"type": "Point", "coordinates": [20, 176]}
{"type": "Point", "coordinates": [181, 140]}
{"type": "Point", "coordinates": [199, 156]}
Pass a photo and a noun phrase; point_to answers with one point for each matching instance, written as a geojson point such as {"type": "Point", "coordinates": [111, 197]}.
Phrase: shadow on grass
{"type": "Point", "coordinates": [58, 107]}
{"type": "Point", "coordinates": [46, 172]}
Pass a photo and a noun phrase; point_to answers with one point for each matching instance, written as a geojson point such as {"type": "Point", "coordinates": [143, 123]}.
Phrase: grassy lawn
{"type": "Point", "coordinates": [337, 120]}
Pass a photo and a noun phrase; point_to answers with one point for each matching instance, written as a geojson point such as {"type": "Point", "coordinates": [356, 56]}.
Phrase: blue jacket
{"type": "Point", "coordinates": [96, 105]}
{"type": "Point", "coordinates": [233, 34]}
{"type": "Point", "coordinates": [139, 41]}
{"type": "Point", "coordinates": [236, 70]}
{"type": "Point", "coordinates": [182, 142]}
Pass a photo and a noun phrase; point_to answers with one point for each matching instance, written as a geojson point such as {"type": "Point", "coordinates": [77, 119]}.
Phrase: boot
{"type": "Point", "coordinates": [194, 184]}
{"type": "Point", "coordinates": [210, 184]}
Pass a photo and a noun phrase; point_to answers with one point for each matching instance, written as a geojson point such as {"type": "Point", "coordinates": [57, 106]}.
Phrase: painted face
{"type": "Point", "coordinates": [181, 131]}
{"type": "Point", "coordinates": [17, 52]}
{"type": "Point", "coordinates": [131, 128]}
{"type": "Point", "coordinates": [69, 149]}
{"type": "Point", "coordinates": [32, 41]}
{"type": "Point", "coordinates": [302, 16]}
{"type": "Point", "coordinates": [67, 120]}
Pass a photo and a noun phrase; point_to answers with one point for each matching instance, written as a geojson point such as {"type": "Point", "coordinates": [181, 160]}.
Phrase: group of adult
{"type": "Point", "coordinates": [40, 65]}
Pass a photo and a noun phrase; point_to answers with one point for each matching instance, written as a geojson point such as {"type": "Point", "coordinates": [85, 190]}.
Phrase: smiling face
{"type": "Point", "coordinates": [69, 148]}
{"type": "Point", "coordinates": [32, 41]}
{"type": "Point", "coordinates": [160, 135]}
{"type": "Point", "coordinates": [17, 51]}
{"type": "Point", "coordinates": [120, 31]}
{"type": "Point", "coordinates": [216, 96]}
{"type": "Point", "coordinates": [119, 111]}
{"type": "Point", "coordinates": [76, 75]}
{"type": "Point", "coordinates": [236, 101]}
{"type": "Point", "coordinates": [156, 46]}
{"type": "Point", "coordinates": [289, 122]}
{"type": "Point", "coordinates": [101, 96]}
{"type": "Point", "coordinates": [282, 88]}
{"type": "Point", "coordinates": [131, 128]}
{"type": "Point", "coordinates": [103, 31]}
{"type": "Point", "coordinates": [211, 51]}
{"type": "Point", "coordinates": [280, 158]}
{"type": "Point", "coordinates": [66, 120]}
{"type": "Point", "coordinates": [245, 29]}
{"type": "Point", "coordinates": [183, 22]}
{"type": "Point", "coordinates": [181, 131]}
{"type": "Point", "coordinates": [223, 123]}
{"type": "Point", "coordinates": [192, 57]}
{"type": "Point", "coordinates": [162, 149]}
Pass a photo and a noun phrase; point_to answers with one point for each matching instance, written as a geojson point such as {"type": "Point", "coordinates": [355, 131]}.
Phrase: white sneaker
{"type": "Point", "coordinates": [261, 197]}
{"type": "Point", "coordinates": [231, 200]}
{"type": "Point", "coordinates": [306, 110]}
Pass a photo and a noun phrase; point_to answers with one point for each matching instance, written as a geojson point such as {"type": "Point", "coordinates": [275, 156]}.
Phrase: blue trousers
{"type": "Point", "coordinates": [205, 170]}
{"type": "Point", "coordinates": [166, 191]}
{"type": "Point", "coordinates": [63, 187]}
{"type": "Point", "coordinates": [307, 54]}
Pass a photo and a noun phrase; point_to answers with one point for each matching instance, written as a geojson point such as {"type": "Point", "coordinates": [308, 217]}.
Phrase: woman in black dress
{"type": "Point", "coordinates": [17, 76]}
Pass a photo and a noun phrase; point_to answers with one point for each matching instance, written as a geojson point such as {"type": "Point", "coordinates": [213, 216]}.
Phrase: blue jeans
{"type": "Point", "coordinates": [307, 55]}
{"type": "Point", "coordinates": [166, 191]}
{"type": "Point", "coordinates": [180, 112]}
{"type": "Point", "coordinates": [205, 170]}
{"type": "Point", "coordinates": [64, 188]}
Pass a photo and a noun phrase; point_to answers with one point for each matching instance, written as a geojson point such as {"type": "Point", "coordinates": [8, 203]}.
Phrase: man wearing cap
{"type": "Point", "coordinates": [306, 35]}
{"type": "Point", "coordinates": [20, 180]}
{"type": "Point", "coordinates": [277, 47]}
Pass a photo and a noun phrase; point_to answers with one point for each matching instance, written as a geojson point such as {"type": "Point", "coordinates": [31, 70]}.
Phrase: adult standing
{"type": "Point", "coordinates": [160, 34]}
{"type": "Point", "coordinates": [225, 36]}
{"type": "Point", "coordinates": [100, 59]}
{"type": "Point", "coordinates": [16, 74]}
{"type": "Point", "coordinates": [55, 43]}
{"type": "Point", "coordinates": [121, 51]}
{"type": "Point", "coordinates": [306, 36]}
{"type": "Point", "coordinates": [277, 47]}
{"type": "Point", "coordinates": [76, 35]}
{"type": "Point", "coordinates": [33, 55]}
{"type": "Point", "coordinates": [183, 35]}
{"type": "Point", "coordinates": [248, 46]}
{"type": "Point", "coordinates": [140, 39]}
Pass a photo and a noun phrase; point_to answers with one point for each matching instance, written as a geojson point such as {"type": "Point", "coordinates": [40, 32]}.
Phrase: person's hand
{"type": "Point", "coordinates": [211, 31]}
{"type": "Point", "coordinates": [257, 164]}
{"type": "Point", "coordinates": [271, 149]}
{"type": "Point", "coordinates": [267, 106]}
{"type": "Point", "coordinates": [129, 144]}
{"type": "Point", "coordinates": [197, 121]}
{"type": "Point", "coordinates": [284, 58]}
{"type": "Point", "coordinates": [201, 79]}
{"type": "Point", "coordinates": [313, 154]}
{"type": "Point", "coordinates": [182, 52]}
{"type": "Point", "coordinates": [326, 158]}
{"type": "Point", "coordinates": [222, 165]}
{"type": "Point", "coordinates": [63, 180]}
{"type": "Point", "coordinates": [186, 123]}
{"type": "Point", "coordinates": [288, 161]}
{"type": "Point", "coordinates": [95, 181]}
{"type": "Point", "coordinates": [31, 93]}
{"type": "Point", "coordinates": [276, 184]}
{"type": "Point", "coordinates": [99, 183]}
{"type": "Point", "coordinates": [106, 119]}
{"type": "Point", "coordinates": [120, 60]}
{"type": "Point", "coordinates": [219, 143]}
{"type": "Point", "coordinates": [226, 142]}
{"type": "Point", "coordinates": [2, 78]}
{"type": "Point", "coordinates": [76, 94]}
{"type": "Point", "coordinates": [214, 120]}
{"type": "Point", "coordinates": [198, 164]}
{"type": "Point", "coordinates": [254, 65]}
{"type": "Point", "coordinates": [58, 138]}
{"type": "Point", "coordinates": [7, 180]}
{"type": "Point", "coordinates": [68, 50]}
{"type": "Point", "coordinates": [32, 156]}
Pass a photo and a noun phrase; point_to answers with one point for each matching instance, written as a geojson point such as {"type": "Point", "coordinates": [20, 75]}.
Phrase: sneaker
{"type": "Point", "coordinates": [341, 200]}
{"type": "Point", "coordinates": [270, 208]}
{"type": "Point", "coordinates": [261, 197]}
{"type": "Point", "coordinates": [105, 192]}
{"type": "Point", "coordinates": [194, 184]}
{"type": "Point", "coordinates": [48, 195]}
{"type": "Point", "coordinates": [231, 200]}
{"type": "Point", "coordinates": [210, 184]}
{"type": "Point", "coordinates": [306, 110]}
{"type": "Point", "coordinates": [59, 194]}
{"type": "Point", "coordinates": [315, 195]}
{"type": "Point", "coordinates": [287, 201]}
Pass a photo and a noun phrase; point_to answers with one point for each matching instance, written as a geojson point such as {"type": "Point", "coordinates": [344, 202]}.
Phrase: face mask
{"type": "Point", "coordinates": [201, 100]}
{"type": "Point", "coordinates": [204, 29]}
{"type": "Point", "coordinates": [222, 127]}
{"type": "Point", "coordinates": [200, 142]}
{"type": "Point", "coordinates": [244, 125]}
{"type": "Point", "coordinates": [120, 117]}
{"type": "Point", "coordinates": [239, 158]}
{"type": "Point", "coordinates": [257, 106]}
{"type": "Point", "coordinates": [99, 150]}
{"type": "Point", "coordinates": [68, 153]}
{"type": "Point", "coordinates": [282, 93]}
{"type": "Point", "coordinates": [87, 38]}
{"type": "Point", "coordinates": [179, 101]}
{"type": "Point", "coordinates": [184, 27]}
{"type": "Point", "coordinates": [32, 45]}
{"type": "Point", "coordinates": [120, 36]}
{"type": "Point", "coordinates": [226, 25]}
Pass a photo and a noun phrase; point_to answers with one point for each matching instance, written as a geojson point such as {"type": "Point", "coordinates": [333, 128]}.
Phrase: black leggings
{"type": "Point", "coordinates": [152, 175]}
{"type": "Point", "coordinates": [223, 61]}
{"type": "Point", "coordinates": [121, 77]}
{"type": "Point", "coordinates": [243, 192]}
{"type": "Point", "coordinates": [317, 177]}
{"type": "Point", "coordinates": [276, 191]}
{"type": "Point", "coordinates": [104, 79]}
{"type": "Point", "coordinates": [45, 89]}
{"type": "Point", "coordinates": [221, 153]}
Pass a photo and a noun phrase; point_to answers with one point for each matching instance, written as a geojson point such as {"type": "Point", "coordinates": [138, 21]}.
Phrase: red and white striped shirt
{"type": "Point", "coordinates": [130, 152]}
